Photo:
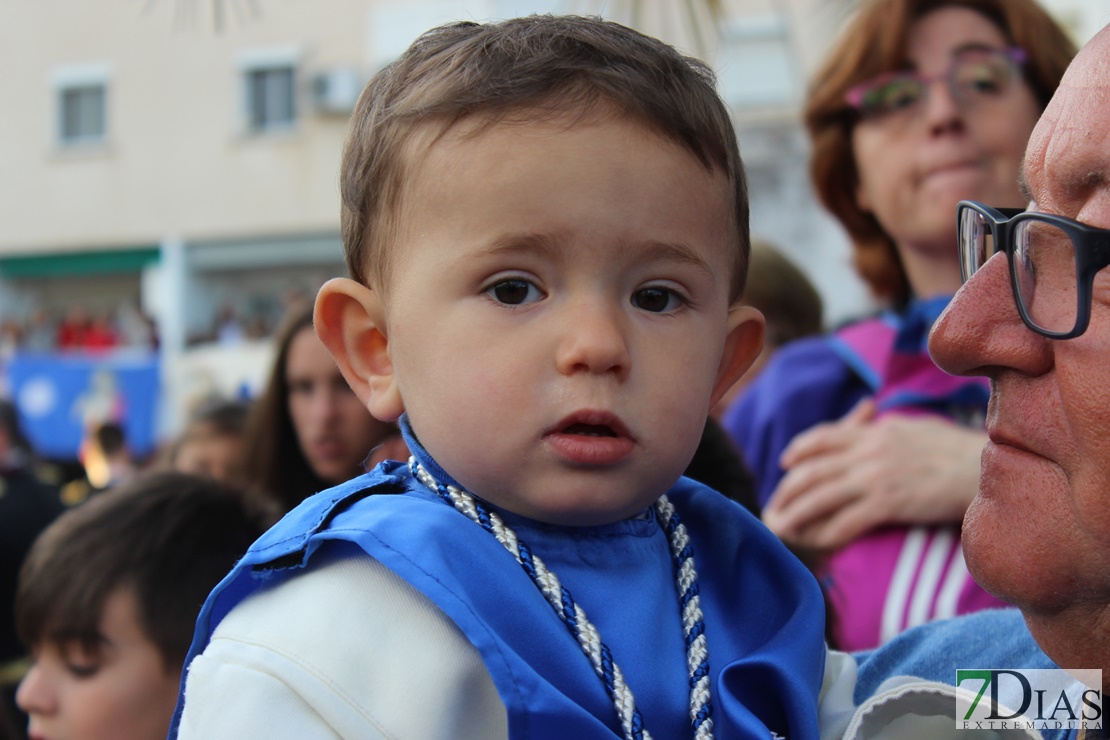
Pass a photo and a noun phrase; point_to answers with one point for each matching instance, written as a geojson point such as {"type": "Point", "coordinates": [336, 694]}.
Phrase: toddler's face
{"type": "Point", "coordinates": [558, 311]}
{"type": "Point", "coordinates": [122, 692]}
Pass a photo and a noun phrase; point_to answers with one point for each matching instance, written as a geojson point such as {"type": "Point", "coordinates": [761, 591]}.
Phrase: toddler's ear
{"type": "Point", "coordinates": [742, 346]}
{"type": "Point", "coordinates": [350, 321]}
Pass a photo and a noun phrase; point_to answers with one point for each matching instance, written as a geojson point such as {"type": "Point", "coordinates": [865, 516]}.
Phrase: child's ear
{"type": "Point", "coordinates": [350, 321]}
{"type": "Point", "coordinates": [742, 346]}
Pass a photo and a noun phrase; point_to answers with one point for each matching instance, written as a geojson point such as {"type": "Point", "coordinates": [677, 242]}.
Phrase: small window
{"type": "Point", "coordinates": [82, 104]}
{"type": "Point", "coordinates": [82, 114]}
{"type": "Point", "coordinates": [270, 98]}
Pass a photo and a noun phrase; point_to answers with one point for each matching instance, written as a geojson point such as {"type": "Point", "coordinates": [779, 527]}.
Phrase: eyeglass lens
{"type": "Point", "coordinates": [976, 241]}
{"type": "Point", "coordinates": [1045, 268]}
{"type": "Point", "coordinates": [1043, 264]}
{"type": "Point", "coordinates": [974, 76]}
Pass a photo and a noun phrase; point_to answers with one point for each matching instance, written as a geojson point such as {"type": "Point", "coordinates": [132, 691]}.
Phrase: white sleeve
{"type": "Point", "coordinates": [836, 705]}
{"type": "Point", "coordinates": [347, 649]}
{"type": "Point", "coordinates": [228, 698]}
{"type": "Point", "coordinates": [901, 707]}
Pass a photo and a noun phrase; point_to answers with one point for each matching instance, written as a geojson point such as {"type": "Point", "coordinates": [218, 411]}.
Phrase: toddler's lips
{"type": "Point", "coordinates": [591, 438]}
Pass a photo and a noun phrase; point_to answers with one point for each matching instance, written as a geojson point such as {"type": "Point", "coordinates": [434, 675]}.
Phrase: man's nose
{"type": "Point", "coordinates": [594, 340]}
{"type": "Point", "coordinates": [981, 331]}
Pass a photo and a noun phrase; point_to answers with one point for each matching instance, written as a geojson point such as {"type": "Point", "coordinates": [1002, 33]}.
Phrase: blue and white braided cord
{"type": "Point", "coordinates": [574, 617]}
{"type": "Point", "coordinates": [693, 625]}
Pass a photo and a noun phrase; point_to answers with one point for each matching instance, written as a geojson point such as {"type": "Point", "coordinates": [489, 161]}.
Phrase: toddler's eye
{"type": "Point", "coordinates": [514, 292]}
{"type": "Point", "coordinates": [656, 300]}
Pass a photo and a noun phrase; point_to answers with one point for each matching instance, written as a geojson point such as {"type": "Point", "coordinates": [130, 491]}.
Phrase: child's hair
{"type": "Point", "coordinates": [783, 294]}
{"type": "Point", "coordinates": [543, 67]}
{"type": "Point", "coordinates": [169, 536]}
{"type": "Point", "coordinates": [109, 438]}
{"type": "Point", "coordinates": [217, 417]}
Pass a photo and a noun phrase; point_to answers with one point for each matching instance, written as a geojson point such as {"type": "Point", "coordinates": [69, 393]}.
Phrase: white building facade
{"type": "Point", "coordinates": [183, 155]}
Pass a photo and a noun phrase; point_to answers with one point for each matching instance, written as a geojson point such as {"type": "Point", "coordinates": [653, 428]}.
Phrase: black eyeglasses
{"type": "Point", "coordinates": [975, 75]}
{"type": "Point", "coordinates": [1053, 261]}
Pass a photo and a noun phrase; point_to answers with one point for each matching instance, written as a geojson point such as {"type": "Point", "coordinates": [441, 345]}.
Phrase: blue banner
{"type": "Point", "coordinates": [59, 396]}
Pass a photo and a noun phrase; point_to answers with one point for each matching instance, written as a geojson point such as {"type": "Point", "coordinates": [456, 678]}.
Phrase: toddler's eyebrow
{"type": "Point", "coordinates": [538, 243]}
{"type": "Point", "coordinates": [671, 251]}
{"type": "Point", "coordinates": [548, 246]}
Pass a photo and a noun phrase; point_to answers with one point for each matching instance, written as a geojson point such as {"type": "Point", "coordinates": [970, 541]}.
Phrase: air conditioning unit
{"type": "Point", "coordinates": [336, 90]}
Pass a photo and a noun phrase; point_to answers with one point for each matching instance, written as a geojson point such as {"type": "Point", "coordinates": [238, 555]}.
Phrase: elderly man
{"type": "Point", "coordinates": [1036, 321]}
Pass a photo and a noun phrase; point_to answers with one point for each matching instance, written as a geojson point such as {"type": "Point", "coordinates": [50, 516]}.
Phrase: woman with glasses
{"type": "Point", "coordinates": [920, 104]}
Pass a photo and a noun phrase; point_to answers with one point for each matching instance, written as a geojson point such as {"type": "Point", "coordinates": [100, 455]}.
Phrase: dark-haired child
{"type": "Point", "coordinates": [107, 600]}
{"type": "Point", "coordinates": [211, 444]}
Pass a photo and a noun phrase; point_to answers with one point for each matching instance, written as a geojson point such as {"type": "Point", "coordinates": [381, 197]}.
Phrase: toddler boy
{"type": "Point", "coordinates": [546, 222]}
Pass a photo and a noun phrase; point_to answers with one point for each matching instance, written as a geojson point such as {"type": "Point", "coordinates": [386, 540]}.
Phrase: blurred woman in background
{"type": "Point", "coordinates": [307, 430]}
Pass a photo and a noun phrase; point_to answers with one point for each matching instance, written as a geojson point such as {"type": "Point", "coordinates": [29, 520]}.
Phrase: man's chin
{"type": "Point", "coordinates": [995, 553]}
{"type": "Point", "coordinates": [1010, 561]}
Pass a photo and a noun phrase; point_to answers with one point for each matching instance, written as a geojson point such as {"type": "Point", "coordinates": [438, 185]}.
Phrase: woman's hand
{"type": "Point", "coordinates": [847, 477]}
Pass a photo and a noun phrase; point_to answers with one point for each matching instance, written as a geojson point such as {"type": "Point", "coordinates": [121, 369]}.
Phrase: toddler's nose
{"type": "Point", "coordinates": [593, 341]}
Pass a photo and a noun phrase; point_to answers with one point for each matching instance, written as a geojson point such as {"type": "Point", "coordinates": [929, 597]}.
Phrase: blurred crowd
{"type": "Point", "coordinates": [79, 329]}
{"type": "Point", "coordinates": [305, 432]}
{"type": "Point", "coordinates": [83, 329]}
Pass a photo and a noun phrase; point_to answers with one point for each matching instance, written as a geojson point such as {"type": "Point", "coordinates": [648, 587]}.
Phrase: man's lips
{"type": "Point", "coordinates": [1006, 436]}
{"type": "Point", "coordinates": [591, 437]}
{"type": "Point", "coordinates": [1013, 440]}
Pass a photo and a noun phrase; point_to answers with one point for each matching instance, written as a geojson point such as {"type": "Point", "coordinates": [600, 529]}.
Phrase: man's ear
{"type": "Point", "coordinates": [350, 321]}
{"type": "Point", "coordinates": [742, 346]}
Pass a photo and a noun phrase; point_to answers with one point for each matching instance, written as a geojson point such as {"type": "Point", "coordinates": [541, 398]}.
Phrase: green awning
{"type": "Point", "coordinates": [69, 264]}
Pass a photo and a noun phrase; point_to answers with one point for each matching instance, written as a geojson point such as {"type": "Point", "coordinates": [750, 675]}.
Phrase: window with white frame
{"type": "Point", "coordinates": [81, 95]}
{"type": "Point", "coordinates": [269, 90]}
